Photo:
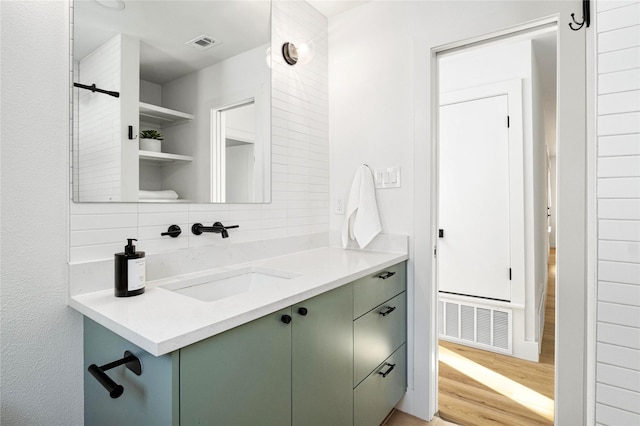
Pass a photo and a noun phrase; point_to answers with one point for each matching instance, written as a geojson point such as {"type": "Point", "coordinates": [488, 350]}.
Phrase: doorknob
{"type": "Point", "coordinates": [440, 233]}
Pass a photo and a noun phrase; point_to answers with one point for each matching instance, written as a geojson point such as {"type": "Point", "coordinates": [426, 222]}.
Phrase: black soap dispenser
{"type": "Point", "coordinates": [129, 271]}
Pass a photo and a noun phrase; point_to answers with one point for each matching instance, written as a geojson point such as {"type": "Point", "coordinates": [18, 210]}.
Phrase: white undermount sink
{"type": "Point", "coordinates": [220, 285]}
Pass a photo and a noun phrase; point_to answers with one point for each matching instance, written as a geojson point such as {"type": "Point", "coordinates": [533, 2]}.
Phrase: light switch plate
{"type": "Point", "coordinates": [387, 178]}
{"type": "Point", "coordinates": [339, 205]}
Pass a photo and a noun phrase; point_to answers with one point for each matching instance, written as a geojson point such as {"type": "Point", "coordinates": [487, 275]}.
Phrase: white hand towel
{"type": "Point", "coordinates": [362, 223]}
{"type": "Point", "coordinates": [167, 194]}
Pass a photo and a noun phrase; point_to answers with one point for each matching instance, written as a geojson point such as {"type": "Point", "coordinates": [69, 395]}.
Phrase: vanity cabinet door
{"type": "Point", "coordinates": [322, 357]}
{"type": "Point", "coordinates": [239, 377]}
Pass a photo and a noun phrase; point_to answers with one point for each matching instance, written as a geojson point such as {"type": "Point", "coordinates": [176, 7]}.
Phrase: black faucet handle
{"type": "Point", "coordinates": [225, 227]}
{"type": "Point", "coordinates": [173, 231]}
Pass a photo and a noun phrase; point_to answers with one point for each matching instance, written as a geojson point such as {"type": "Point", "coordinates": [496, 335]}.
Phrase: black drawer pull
{"type": "Point", "coordinates": [386, 275]}
{"type": "Point", "coordinates": [388, 311]}
{"type": "Point", "coordinates": [386, 373]}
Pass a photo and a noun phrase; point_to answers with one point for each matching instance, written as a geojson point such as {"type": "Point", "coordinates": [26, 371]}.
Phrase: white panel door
{"type": "Point", "coordinates": [474, 250]}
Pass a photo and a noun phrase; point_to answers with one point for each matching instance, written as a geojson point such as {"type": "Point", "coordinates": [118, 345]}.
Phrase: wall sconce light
{"type": "Point", "coordinates": [298, 53]}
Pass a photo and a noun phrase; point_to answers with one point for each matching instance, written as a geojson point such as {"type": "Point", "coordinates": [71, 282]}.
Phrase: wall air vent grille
{"type": "Point", "coordinates": [483, 326]}
{"type": "Point", "coordinates": [202, 42]}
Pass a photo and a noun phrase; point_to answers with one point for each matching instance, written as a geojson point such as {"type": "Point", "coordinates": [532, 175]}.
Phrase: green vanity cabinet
{"type": "Point", "coordinates": [269, 372]}
{"type": "Point", "coordinates": [324, 361]}
{"type": "Point", "coordinates": [149, 399]}
{"type": "Point", "coordinates": [239, 377]}
{"type": "Point", "coordinates": [379, 339]}
{"type": "Point", "coordinates": [265, 372]}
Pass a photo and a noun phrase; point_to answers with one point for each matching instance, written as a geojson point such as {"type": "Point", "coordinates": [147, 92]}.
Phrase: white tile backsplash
{"type": "Point", "coordinates": [300, 193]}
{"type": "Point", "coordinates": [618, 211]}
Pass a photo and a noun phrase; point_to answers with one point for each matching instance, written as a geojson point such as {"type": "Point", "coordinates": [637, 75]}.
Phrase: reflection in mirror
{"type": "Point", "coordinates": [235, 140]}
{"type": "Point", "coordinates": [198, 74]}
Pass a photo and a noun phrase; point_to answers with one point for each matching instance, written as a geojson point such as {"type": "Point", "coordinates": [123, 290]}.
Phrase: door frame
{"type": "Point", "coordinates": [573, 363]}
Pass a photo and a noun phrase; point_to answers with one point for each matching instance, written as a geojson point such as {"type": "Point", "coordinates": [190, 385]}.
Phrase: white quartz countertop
{"type": "Point", "coordinates": [161, 321]}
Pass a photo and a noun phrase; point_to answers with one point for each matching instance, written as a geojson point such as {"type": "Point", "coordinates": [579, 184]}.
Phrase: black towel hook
{"type": "Point", "coordinates": [586, 17]}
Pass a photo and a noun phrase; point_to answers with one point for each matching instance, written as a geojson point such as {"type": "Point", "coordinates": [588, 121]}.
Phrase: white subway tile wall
{"type": "Point", "coordinates": [300, 171]}
{"type": "Point", "coordinates": [618, 130]}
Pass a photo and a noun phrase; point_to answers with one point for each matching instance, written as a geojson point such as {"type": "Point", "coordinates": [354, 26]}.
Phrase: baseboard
{"type": "Point", "coordinates": [407, 404]}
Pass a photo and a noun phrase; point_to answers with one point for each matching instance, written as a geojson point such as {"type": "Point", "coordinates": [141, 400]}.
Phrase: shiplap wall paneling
{"type": "Point", "coordinates": [618, 193]}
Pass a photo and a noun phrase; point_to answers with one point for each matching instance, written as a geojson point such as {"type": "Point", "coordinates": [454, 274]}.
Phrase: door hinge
{"type": "Point", "coordinates": [434, 251]}
{"type": "Point", "coordinates": [509, 274]}
{"type": "Point", "coordinates": [508, 122]}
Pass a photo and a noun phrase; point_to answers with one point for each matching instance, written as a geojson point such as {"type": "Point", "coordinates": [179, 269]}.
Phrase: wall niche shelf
{"type": "Point", "coordinates": [162, 201]}
{"type": "Point", "coordinates": [162, 158]}
{"type": "Point", "coordinates": [164, 117]}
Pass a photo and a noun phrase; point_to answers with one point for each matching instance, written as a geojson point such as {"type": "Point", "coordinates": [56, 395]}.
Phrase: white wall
{"type": "Point", "coordinates": [42, 366]}
{"type": "Point", "coordinates": [618, 293]}
{"type": "Point", "coordinates": [380, 94]}
{"type": "Point", "coordinates": [552, 210]}
{"type": "Point", "coordinates": [237, 79]}
{"type": "Point", "coordinates": [300, 167]}
{"type": "Point", "coordinates": [540, 201]}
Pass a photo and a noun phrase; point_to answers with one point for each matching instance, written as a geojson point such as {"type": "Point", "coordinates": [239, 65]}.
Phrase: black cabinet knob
{"type": "Point", "coordinates": [285, 319]}
{"type": "Point", "coordinates": [303, 311]}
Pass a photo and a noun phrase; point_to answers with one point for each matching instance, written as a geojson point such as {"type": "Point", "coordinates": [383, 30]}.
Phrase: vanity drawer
{"type": "Point", "coordinates": [377, 335]}
{"type": "Point", "coordinates": [370, 291]}
{"type": "Point", "coordinates": [376, 396]}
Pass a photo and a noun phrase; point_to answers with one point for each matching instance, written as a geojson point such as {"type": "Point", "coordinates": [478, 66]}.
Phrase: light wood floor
{"type": "Point", "coordinates": [467, 402]}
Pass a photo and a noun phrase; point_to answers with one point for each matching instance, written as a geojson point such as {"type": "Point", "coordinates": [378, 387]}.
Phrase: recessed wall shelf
{"type": "Point", "coordinates": [162, 201]}
{"type": "Point", "coordinates": [162, 158]}
{"type": "Point", "coordinates": [162, 116]}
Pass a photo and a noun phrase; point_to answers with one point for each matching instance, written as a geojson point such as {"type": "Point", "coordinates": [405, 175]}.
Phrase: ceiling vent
{"type": "Point", "coordinates": [202, 42]}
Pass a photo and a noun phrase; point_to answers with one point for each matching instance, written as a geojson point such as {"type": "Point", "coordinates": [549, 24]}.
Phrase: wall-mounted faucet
{"type": "Point", "coordinates": [217, 227]}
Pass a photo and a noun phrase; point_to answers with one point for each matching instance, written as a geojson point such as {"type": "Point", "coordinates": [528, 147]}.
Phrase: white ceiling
{"type": "Point", "coordinates": [331, 8]}
{"type": "Point", "coordinates": [164, 26]}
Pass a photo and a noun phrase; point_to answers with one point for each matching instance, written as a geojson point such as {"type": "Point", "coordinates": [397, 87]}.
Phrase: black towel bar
{"type": "Point", "coordinates": [131, 361]}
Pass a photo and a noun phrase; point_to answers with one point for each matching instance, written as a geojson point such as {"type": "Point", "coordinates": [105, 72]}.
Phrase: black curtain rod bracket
{"type": "Point", "coordinates": [94, 89]}
{"type": "Point", "coordinates": [131, 361]}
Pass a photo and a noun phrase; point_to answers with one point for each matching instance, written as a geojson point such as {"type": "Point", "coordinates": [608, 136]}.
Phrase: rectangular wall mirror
{"type": "Point", "coordinates": [171, 101]}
